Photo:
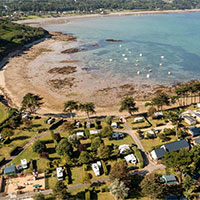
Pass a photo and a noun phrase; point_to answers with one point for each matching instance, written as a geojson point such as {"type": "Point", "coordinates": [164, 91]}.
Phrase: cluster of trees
{"type": "Point", "coordinates": [70, 106]}
{"type": "Point", "coordinates": [88, 5]}
{"type": "Point", "coordinates": [13, 36]}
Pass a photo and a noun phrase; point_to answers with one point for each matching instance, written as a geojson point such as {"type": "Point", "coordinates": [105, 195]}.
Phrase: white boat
{"type": "Point", "coordinates": [123, 55]}
{"type": "Point", "coordinates": [137, 60]}
{"type": "Point", "coordinates": [136, 65]}
{"type": "Point", "coordinates": [162, 57]}
{"type": "Point", "coordinates": [148, 75]}
{"type": "Point", "coordinates": [129, 52]}
{"type": "Point", "coordinates": [140, 55]}
{"type": "Point", "coordinates": [120, 45]}
{"type": "Point", "coordinates": [125, 58]}
{"type": "Point", "coordinates": [127, 49]}
{"type": "Point", "coordinates": [150, 70]}
{"type": "Point", "coordinates": [138, 72]}
{"type": "Point", "coordinates": [161, 64]}
{"type": "Point", "coordinates": [110, 60]}
{"type": "Point", "coordinates": [169, 73]}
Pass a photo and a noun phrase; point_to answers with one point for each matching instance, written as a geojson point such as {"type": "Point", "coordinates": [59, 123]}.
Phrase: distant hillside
{"type": "Point", "coordinates": [7, 6]}
{"type": "Point", "coordinates": [13, 36]}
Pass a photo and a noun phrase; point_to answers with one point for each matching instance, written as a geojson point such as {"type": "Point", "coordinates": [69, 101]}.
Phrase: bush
{"type": "Point", "coordinates": [139, 156]}
{"type": "Point", "coordinates": [2, 160]}
{"type": "Point", "coordinates": [105, 169]}
{"type": "Point", "coordinates": [42, 130]}
{"type": "Point", "coordinates": [87, 133]}
{"type": "Point", "coordinates": [87, 195]}
{"type": "Point", "coordinates": [38, 146]}
{"type": "Point", "coordinates": [44, 155]}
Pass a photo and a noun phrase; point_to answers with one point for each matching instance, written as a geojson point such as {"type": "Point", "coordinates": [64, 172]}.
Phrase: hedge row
{"type": "Point", "coordinates": [139, 156]}
{"type": "Point", "coordinates": [2, 160]}
{"type": "Point", "coordinates": [87, 195]}
{"type": "Point", "coordinates": [13, 150]}
{"type": "Point", "coordinates": [105, 169]}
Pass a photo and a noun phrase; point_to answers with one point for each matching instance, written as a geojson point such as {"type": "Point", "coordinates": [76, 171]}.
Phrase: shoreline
{"type": "Point", "coordinates": [65, 19]}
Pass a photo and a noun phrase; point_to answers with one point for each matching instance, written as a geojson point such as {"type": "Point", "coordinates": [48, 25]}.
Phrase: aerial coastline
{"type": "Point", "coordinates": [32, 72]}
{"type": "Point", "coordinates": [65, 19]}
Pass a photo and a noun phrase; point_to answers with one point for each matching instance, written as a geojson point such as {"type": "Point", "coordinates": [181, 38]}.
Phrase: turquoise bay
{"type": "Point", "coordinates": [167, 47]}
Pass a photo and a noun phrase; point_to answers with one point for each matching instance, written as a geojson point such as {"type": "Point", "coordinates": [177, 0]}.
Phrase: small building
{"type": "Point", "coordinates": [157, 154]}
{"type": "Point", "coordinates": [150, 134]}
{"type": "Point", "coordinates": [50, 121]}
{"type": "Point", "coordinates": [59, 172]}
{"type": "Point", "coordinates": [117, 136]}
{"type": "Point", "coordinates": [24, 163]}
{"type": "Point", "coordinates": [169, 179]}
{"type": "Point", "coordinates": [96, 168]}
{"type": "Point", "coordinates": [80, 134]}
{"type": "Point", "coordinates": [88, 124]}
{"type": "Point", "coordinates": [130, 159]}
{"type": "Point", "coordinates": [78, 124]}
{"type": "Point", "coordinates": [198, 105]}
{"type": "Point", "coordinates": [114, 125]}
{"type": "Point", "coordinates": [189, 120]}
{"type": "Point", "coordinates": [175, 146]}
{"type": "Point", "coordinates": [196, 140]}
{"type": "Point", "coordinates": [158, 115]}
{"type": "Point", "coordinates": [122, 148]}
{"type": "Point", "coordinates": [194, 131]}
{"type": "Point", "coordinates": [197, 116]}
{"type": "Point", "coordinates": [93, 132]}
{"type": "Point", "coordinates": [10, 170]}
{"type": "Point", "coordinates": [138, 119]}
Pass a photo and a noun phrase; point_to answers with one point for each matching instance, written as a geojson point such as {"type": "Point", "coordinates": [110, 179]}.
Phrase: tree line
{"type": "Point", "coordinates": [87, 5]}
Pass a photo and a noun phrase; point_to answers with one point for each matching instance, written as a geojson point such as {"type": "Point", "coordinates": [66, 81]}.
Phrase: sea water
{"type": "Point", "coordinates": [157, 49]}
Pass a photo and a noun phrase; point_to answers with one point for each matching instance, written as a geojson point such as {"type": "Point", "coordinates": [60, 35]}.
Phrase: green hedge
{"type": "Point", "coordinates": [105, 169]}
{"type": "Point", "coordinates": [139, 156]}
{"type": "Point", "coordinates": [2, 160]}
{"type": "Point", "coordinates": [141, 127]}
{"type": "Point", "coordinates": [87, 195]}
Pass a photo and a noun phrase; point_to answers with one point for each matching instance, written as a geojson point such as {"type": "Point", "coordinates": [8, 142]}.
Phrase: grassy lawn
{"type": "Point", "coordinates": [149, 143]}
{"type": "Point", "coordinates": [136, 125]}
{"type": "Point", "coordinates": [3, 112]}
{"type": "Point", "coordinates": [126, 140]}
{"type": "Point", "coordinates": [155, 122]}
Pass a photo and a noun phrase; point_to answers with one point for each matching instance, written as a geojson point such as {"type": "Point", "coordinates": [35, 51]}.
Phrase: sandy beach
{"type": "Point", "coordinates": [48, 70]}
{"type": "Point", "coordinates": [65, 19]}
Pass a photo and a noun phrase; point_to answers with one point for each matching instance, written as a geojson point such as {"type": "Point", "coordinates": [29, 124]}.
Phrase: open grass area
{"type": "Point", "coordinates": [134, 125]}
{"type": "Point", "coordinates": [148, 144]}
{"type": "Point", "coordinates": [3, 112]}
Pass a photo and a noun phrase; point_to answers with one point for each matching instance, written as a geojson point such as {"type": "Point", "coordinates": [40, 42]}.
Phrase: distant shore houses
{"type": "Point", "coordinates": [159, 153]}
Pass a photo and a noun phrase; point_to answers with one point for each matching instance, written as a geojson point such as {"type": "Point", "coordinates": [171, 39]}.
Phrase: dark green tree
{"type": "Point", "coordinates": [152, 186]}
{"type": "Point", "coordinates": [88, 108]}
{"type": "Point", "coordinates": [38, 146]}
{"type": "Point", "coordinates": [39, 196]}
{"type": "Point", "coordinates": [64, 147]}
{"type": "Point", "coordinates": [31, 103]}
{"type": "Point", "coordinates": [69, 106]}
{"type": "Point", "coordinates": [95, 143]}
{"type": "Point", "coordinates": [104, 152]}
{"type": "Point", "coordinates": [129, 105]}
{"type": "Point", "coordinates": [7, 133]}
{"type": "Point", "coordinates": [60, 191]}
{"type": "Point", "coordinates": [84, 157]}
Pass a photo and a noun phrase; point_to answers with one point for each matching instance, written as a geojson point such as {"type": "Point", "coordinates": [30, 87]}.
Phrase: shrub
{"type": "Point", "coordinates": [13, 151]}
{"type": "Point", "coordinates": [139, 156]}
{"type": "Point", "coordinates": [87, 195]}
{"type": "Point", "coordinates": [44, 155]}
{"type": "Point", "coordinates": [38, 146]}
{"type": "Point", "coordinates": [87, 133]}
{"type": "Point", "coordinates": [105, 169]}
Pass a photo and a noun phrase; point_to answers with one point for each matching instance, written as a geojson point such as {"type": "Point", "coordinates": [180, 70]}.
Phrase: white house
{"type": "Point", "coordinates": [139, 119]}
{"type": "Point", "coordinates": [24, 163]}
{"type": "Point", "coordinates": [157, 154]}
{"type": "Point", "coordinates": [114, 125]}
{"type": "Point", "coordinates": [96, 168]}
{"type": "Point", "coordinates": [159, 114]}
{"type": "Point", "coordinates": [198, 105]}
{"type": "Point", "coordinates": [80, 134]}
{"type": "Point", "coordinates": [59, 173]}
{"type": "Point", "coordinates": [130, 159]}
{"type": "Point", "coordinates": [93, 132]}
{"type": "Point", "coordinates": [123, 148]}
